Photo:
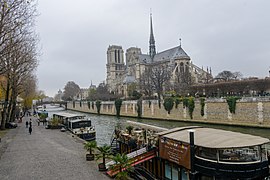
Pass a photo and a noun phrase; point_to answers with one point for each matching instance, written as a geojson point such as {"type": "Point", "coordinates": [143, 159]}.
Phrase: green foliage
{"type": "Point", "coordinates": [136, 95]}
{"type": "Point", "coordinates": [121, 162]}
{"type": "Point", "coordinates": [55, 122]}
{"type": "Point", "coordinates": [202, 101]}
{"type": "Point", "coordinates": [93, 105]}
{"type": "Point", "coordinates": [90, 145]}
{"type": "Point", "coordinates": [177, 102]}
{"type": "Point", "coordinates": [43, 115]}
{"type": "Point", "coordinates": [168, 104]}
{"type": "Point", "coordinates": [231, 101]}
{"type": "Point", "coordinates": [118, 104]}
{"type": "Point", "coordinates": [129, 129]}
{"type": "Point", "coordinates": [191, 106]}
{"type": "Point", "coordinates": [98, 105]}
{"type": "Point", "coordinates": [139, 108]}
{"type": "Point", "coordinates": [185, 102]}
{"type": "Point", "coordinates": [105, 153]}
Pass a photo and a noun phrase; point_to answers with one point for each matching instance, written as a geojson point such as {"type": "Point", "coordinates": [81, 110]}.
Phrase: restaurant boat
{"type": "Point", "coordinates": [196, 153]}
{"type": "Point", "coordinates": [77, 124]}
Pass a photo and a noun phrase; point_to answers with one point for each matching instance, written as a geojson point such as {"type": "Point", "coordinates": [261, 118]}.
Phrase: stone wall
{"type": "Point", "coordinates": [247, 113]}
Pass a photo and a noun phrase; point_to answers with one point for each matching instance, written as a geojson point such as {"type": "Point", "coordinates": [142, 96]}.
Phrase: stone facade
{"type": "Point", "coordinates": [247, 113]}
{"type": "Point", "coordinates": [120, 74]}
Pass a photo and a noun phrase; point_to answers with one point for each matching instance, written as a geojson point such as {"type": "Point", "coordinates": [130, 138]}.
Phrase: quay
{"type": "Point", "coordinates": [45, 154]}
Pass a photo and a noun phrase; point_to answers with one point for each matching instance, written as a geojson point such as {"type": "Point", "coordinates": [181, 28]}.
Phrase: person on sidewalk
{"type": "Point", "coordinates": [26, 124]}
{"type": "Point", "coordinates": [30, 122]}
{"type": "Point", "coordinates": [30, 130]}
{"type": "Point", "coordinates": [38, 121]}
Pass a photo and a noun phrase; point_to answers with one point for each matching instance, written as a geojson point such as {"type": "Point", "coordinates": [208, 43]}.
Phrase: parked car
{"type": "Point", "coordinates": [10, 125]}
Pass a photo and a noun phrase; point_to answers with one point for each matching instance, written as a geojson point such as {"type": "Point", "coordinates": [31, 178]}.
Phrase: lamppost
{"type": "Point", "coordinates": [192, 154]}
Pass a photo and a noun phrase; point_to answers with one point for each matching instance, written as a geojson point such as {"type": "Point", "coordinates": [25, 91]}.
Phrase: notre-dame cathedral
{"type": "Point", "coordinates": [121, 74]}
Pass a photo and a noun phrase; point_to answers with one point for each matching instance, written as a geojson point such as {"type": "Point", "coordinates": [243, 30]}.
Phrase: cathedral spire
{"type": "Point", "coordinates": [152, 47]}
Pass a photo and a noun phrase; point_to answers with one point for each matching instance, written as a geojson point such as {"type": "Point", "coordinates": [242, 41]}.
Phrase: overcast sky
{"type": "Point", "coordinates": [229, 35]}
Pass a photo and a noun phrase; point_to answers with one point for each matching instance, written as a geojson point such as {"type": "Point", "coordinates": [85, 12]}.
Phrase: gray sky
{"type": "Point", "coordinates": [224, 35]}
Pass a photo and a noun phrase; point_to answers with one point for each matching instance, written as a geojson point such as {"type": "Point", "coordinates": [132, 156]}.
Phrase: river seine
{"type": "Point", "coordinates": [105, 126]}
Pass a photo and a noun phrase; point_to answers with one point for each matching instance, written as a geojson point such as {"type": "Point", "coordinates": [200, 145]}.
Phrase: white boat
{"type": "Point", "coordinates": [77, 124]}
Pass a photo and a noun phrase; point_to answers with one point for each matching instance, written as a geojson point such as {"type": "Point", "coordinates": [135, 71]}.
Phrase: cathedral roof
{"type": "Point", "coordinates": [170, 54]}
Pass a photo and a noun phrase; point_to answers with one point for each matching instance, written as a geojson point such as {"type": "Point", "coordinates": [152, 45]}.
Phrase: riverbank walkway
{"type": "Point", "coordinates": [44, 155]}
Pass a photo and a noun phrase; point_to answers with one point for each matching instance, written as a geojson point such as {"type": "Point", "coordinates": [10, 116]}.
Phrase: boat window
{"type": "Point", "coordinates": [81, 124]}
{"type": "Point", "coordinates": [247, 154]}
{"type": "Point", "coordinates": [207, 153]}
{"type": "Point", "coordinates": [168, 170]}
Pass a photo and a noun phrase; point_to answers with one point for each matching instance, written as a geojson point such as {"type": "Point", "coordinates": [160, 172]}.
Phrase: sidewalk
{"type": "Point", "coordinates": [45, 154]}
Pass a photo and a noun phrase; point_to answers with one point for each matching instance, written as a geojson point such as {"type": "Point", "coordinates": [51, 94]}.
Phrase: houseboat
{"type": "Point", "coordinates": [197, 153]}
{"type": "Point", "coordinates": [77, 124]}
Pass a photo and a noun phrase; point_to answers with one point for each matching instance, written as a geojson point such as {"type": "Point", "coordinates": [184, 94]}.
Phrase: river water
{"type": "Point", "coordinates": [105, 125]}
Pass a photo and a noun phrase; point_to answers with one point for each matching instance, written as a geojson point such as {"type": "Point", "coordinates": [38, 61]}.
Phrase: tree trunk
{"type": "Point", "coordinates": [4, 117]}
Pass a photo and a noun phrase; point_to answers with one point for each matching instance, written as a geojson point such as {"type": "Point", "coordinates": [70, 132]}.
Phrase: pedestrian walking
{"type": "Point", "coordinates": [26, 124]}
{"type": "Point", "coordinates": [30, 130]}
{"type": "Point", "coordinates": [30, 122]}
{"type": "Point", "coordinates": [38, 121]}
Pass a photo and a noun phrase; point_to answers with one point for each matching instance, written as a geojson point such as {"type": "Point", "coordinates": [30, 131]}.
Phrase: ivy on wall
{"type": "Point", "coordinates": [98, 105]}
{"type": "Point", "coordinates": [202, 102]}
{"type": "Point", "coordinates": [88, 104]}
{"type": "Point", "coordinates": [231, 101]}
{"type": "Point", "coordinates": [118, 104]}
{"type": "Point", "coordinates": [177, 102]}
{"type": "Point", "coordinates": [185, 102]}
{"type": "Point", "coordinates": [93, 105]}
{"type": "Point", "coordinates": [191, 106]}
{"type": "Point", "coordinates": [139, 108]}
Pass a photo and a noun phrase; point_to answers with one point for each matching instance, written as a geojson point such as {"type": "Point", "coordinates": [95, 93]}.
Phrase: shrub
{"type": "Point", "coordinates": [168, 104]}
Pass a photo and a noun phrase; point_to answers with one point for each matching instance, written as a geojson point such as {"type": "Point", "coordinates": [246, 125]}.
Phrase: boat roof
{"type": "Point", "coordinates": [214, 138]}
{"type": "Point", "coordinates": [67, 115]}
{"type": "Point", "coordinates": [78, 120]}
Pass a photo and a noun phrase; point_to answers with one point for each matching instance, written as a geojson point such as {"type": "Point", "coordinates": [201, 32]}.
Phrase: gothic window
{"type": "Point", "coordinates": [118, 56]}
{"type": "Point", "coordinates": [115, 56]}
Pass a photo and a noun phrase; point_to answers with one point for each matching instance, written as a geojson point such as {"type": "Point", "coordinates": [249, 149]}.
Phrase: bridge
{"type": "Point", "coordinates": [60, 103]}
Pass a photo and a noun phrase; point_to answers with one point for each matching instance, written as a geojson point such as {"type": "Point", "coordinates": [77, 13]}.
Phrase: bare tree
{"type": "Point", "coordinates": [70, 91]}
{"type": "Point", "coordinates": [183, 80]}
{"type": "Point", "coordinates": [160, 74]}
{"type": "Point", "coordinates": [145, 82]}
{"type": "Point", "coordinates": [17, 49]}
{"type": "Point", "coordinates": [228, 75]}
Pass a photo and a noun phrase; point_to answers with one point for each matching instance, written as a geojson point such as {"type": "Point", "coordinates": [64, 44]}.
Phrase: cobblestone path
{"type": "Point", "coordinates": [45, 154]}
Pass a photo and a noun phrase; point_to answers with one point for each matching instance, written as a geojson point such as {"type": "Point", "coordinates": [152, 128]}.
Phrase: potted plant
{"type": "Point", "coordinates": [89, 146]}
{"type": "Point", "coordinates": [129, 129]}
{"type": "Point", "coordinates": [122, 165]}
{"type": "Point", "coordinates": [105, 153]}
